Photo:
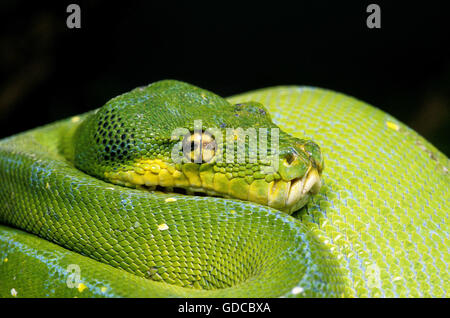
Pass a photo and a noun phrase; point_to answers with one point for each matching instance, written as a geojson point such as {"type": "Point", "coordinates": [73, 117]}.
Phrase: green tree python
{"type": "Point", "coordinates": [97, 206]}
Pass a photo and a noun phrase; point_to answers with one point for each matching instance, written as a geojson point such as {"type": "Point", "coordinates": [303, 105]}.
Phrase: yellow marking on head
{"type": "Point", "coordinates": [163, 227]}
{"type": "Point", "coordinates": [139, 170]}
{"type": "Point", "coordinates": [136, 179]}
{"type": "Point", "coordinates": [179, 179]}
{"type": "Point", "coordinates": [149, 173]}
{"type": "Point", "coordinates": [221, 183]}
{"type": "Point", "coordinates": [151, 179]}
{"type": "Point", "coordinates": [165, 178]}
{"type": "Point", "coordinates": [171, 169]}
{"type": "Point", "coordinates": [75, 119]}
{"type": "Point", "coordinates": [190, 176]}
{"type": "Point", "coordinates": [81, 287]}
{"type": "Point", "coordinates": [392, 126]}
{"type": "Point", "coordinates": [207, 176]}
{"type": "Point", "coordinates": [155, 168]}
{"type": "Point", "coordinates": [191, 170]}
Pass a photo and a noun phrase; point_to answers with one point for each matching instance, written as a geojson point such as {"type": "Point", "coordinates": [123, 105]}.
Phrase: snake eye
{"type": "Point", "coordinates": [203, 154]}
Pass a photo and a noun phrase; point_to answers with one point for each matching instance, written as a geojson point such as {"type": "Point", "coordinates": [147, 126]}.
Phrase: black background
{"type": "Point", "coordinates": [50, 72]}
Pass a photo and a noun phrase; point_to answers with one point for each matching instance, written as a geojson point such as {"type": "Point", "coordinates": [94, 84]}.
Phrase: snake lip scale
{"type": "Point", "coordinates": [298, 190]}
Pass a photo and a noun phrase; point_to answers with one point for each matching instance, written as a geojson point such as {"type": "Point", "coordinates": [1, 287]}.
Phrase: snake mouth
{"type": "Point", "coordinates": [292, 195]}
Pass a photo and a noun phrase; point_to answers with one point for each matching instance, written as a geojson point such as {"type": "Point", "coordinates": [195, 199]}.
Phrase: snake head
{"type": "Point", "coordinates": [173, 136]}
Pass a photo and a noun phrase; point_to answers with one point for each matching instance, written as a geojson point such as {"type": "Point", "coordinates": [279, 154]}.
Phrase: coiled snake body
{"type": "Point", "coordinates": [90, 206]}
